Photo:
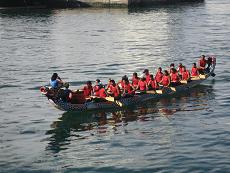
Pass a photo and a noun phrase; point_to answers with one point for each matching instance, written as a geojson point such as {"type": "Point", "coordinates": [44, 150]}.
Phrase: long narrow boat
{"type": "Point", "coordinates": [110, 103]}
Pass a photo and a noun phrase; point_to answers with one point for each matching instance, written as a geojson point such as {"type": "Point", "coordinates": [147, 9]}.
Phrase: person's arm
{"type": "Point", "coordinates": [59, 80]}
{"type": "Point", "coordinates": [138, 86]}
{"type": "Point", "coordinates": [169, 81]}
{"type": "Point", "coordinates": [189, 75]}
{"type": "Point", "coordinates": [118, 90]}
{"type": "Point", "coordinates": [161, 81]}
{"type": "Point", "coordinates": [146, 85]}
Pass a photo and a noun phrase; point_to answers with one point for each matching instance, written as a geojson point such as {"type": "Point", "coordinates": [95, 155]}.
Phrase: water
{"type": "Point", "coordinates": [187, 133]}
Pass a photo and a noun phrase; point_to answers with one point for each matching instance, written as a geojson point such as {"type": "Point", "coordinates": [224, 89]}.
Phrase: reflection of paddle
{"type": "Point", "coordinates": [97, 99]}
{"type": "Point", "coordinates": [112, 99]}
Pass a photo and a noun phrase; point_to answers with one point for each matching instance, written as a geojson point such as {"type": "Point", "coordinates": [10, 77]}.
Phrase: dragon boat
{"type": "Point", "coordinates": [111, 103]}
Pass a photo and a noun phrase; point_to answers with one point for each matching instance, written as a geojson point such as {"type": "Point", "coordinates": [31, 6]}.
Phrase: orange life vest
{"type": "Point", "coordinates": [147, 78]}
{"type": "Point", "coordinates": [159, 76]}
{"type": "Point", "coordinates": [185, 75]}
{"type": "Point", "coordinates": [102, 93]}
{"type": "Point", "coordinates": [153, 84]}
{"type": "Point", "coordinates": [202, 63]}
{"type": "Point", "coordinates": [114, 90]}
{"type": "Point", "coordinates": [194, 72]}
{"type": "Point", "coordinates": [165, 81]}
{"type": "Point", "coordinates": [135, 81]}
{"type": "Point", "coordinates": [175, 77]}
{"type": "Point", "coordinates": [128, 88]}
{"type": "Point", "coordinates": [96, 89]}
{"type": "Point", "coordinates": [142, 85]}
{"type": "Point", "coordinates": [87, 91]}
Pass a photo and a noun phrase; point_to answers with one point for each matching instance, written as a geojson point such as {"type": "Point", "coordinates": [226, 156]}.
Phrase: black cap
{"type": "Point", "coordinates": [89, 82]}
{"type": "Point", "coordinates": [146, 70]}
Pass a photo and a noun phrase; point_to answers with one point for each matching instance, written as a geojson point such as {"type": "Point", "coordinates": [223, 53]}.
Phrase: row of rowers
{"type": "Point", "coordinates": [145, 82]}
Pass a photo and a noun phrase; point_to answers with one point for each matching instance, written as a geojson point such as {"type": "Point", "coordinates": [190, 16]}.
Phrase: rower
{"type": "Point", "coordinates": [159, 75]}
{"type": "Point", "coordinates": [127, 88]}
{"type": "Point", "coordinates": [66, 96]}
{"type": "Point", "coordinates": [171, 67]}
{"type": "Point", "coordinates": [165, 79]}
{"type": "Point", "coordinates": [142, 84]}
{"type": "Point", "coordinates": [56, 82]}
{"type": "Point", "coordinates": [152, 85]}
{"type": "Point", "coordinates": [180, 69]}
{"type": "Point", "coordinates": [209, 63]}
{"type": "Point", "coordinates": [102, 92]}
{"type": "Point", "coordinates": [194, 71]}
{"type": "Point", "coordinates": [122, 82]}
{"type": "Point", "coordinates": [147, 75]}
{"type": "Point", "coordinates": [88, 89]}
{"type": "Point", "coordinates": [135, 80]}
{"type": "Point", "coordinates": [96, 88]}
{"type": "Point", "coordinates": [108, 85]}
{"type": "Point", "coordinates": [114, 89]}
{"type": "Point", "coordinates": [185, 74]}
{"type": "Point", "coordinates": [202, 64]}
{"type": "Point", "coordinates": [175, 79]}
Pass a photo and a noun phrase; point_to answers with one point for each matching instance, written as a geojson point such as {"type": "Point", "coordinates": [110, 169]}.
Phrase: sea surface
{"type": "Point", "coordinates": [189, 132]}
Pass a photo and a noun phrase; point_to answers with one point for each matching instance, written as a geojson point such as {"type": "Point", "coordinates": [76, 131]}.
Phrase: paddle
{"type": "Point", "coordinates": [161, 91]}
{"type": "Point", "coordinates": [184, 81]}
{"type": "Point", "coordinates": [195, 78]}
{"type": "Point", "coordinates": [173, 89]}
{"type": "Point", "coordinates": [112, 99]}
{"type": "Point", "coordinates": [151, 92]}
{"type": "Point", "coordinates": [203, 76]}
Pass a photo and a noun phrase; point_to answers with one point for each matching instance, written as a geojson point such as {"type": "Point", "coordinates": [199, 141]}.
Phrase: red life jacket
{"type": "Point", "coordinates": [114, 90]}
{"type": "Point", "coordinates": [165, 81]}
{"type": "Point", "coordinates": [175, 77]}
{"type": "Point", "coordinates": [96, 89]}
{"type": "Point", "coordinates": [128, 88]}
{"type": "Point", "coordinates": [185, 75]}
{"type": "Point", "coordinates": [142, 85]}
{"type": "Point", "coordinates": [87, 91]}
{"type": "Point", "coordinates": [180, 70]}
{"type": "Point", "coordinates": [135, 81]}
{"type": "Point", "coordinates": [121, 84]}
{"type": "Point", "coordinates": [102, 93]}
{"type": "Point", "coordinates": [153, 84]}
{"type": "Point", "coordinates": [147, 78]}
{"type": "Point", "coordinates": [202, 63]}
{"type": "Point", "coordinates": [194, 72]}
{"type": "Point", "coordinates": [159, 76]}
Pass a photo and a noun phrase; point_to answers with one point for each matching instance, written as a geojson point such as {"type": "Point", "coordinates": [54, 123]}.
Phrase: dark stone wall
{"type": "Point", "coordinates": [22, 3]}
{"type": "Point", "coordinates": [42, 3]}
{"type": "Point", "coordinates": [77, 4]}
{"type": "Point", "coordinates": [160, 2]}
{"type": "Point", "coordinates": [65, 4]}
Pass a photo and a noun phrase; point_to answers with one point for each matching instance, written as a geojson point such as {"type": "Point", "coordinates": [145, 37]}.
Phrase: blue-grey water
{"type": "Point", "coordinates": [186, 133]}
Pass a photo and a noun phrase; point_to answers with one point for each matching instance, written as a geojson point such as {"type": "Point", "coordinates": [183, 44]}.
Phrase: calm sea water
{"type": "Point", "coordinates": [186, 133]}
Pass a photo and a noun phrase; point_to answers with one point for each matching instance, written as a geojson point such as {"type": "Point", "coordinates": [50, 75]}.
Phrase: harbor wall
{"type": "Point", "coordinates": [88, 3]}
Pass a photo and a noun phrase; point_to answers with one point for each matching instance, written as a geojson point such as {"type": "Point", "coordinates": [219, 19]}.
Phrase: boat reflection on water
{"type": "Point", "coordinates": [79, 126]}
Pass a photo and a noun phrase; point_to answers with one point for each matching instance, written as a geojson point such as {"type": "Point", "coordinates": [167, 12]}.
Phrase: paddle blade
{"type": "Point", "coordinates": [159, 91]}
{"type": "Point", "coordinates": [111, 99]}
